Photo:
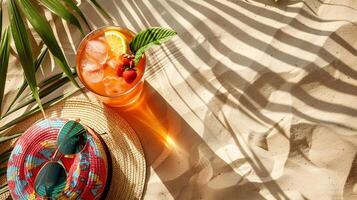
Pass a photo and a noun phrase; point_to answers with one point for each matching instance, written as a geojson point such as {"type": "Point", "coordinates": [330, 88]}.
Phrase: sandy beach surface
{"type": "Point", "coordinates": [259, 99]}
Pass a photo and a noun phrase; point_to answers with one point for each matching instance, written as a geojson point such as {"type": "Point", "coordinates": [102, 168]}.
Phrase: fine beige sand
{"type": "Point", "coordinates": [255, 100]}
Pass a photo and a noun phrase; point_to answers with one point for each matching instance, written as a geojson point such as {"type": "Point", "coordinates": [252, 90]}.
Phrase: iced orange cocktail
{"type": "Point", "coordinates": [106, 66]}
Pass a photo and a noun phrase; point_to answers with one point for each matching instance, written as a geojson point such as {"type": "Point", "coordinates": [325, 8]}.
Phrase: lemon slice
{"type": "Point", "coordinates": [117, 42]}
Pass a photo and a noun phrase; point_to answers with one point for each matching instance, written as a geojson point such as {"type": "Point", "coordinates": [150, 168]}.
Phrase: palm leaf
{"type": "Point", "coordinates": [10, 137]}
{"type": "Point", "coordinates": [55, 82]}
{"type": "Point", "coordinates": [40, 58]}
{"type": "Point", "coordinates": [24, 84]}
{"type": "Point", "coordinates": [4, 61]}
{"type": "Point", "coordinates": [60, 10]}
{"type": "Point", "coordinates": [4, 156]}
{"type": "Point", "coordinates": [54, 79]}
{"type": "Point", "coordinates": [23, 48]}
{"type": "Point", "coordinates": [148, 38]}
{"type": "Point", "coordinates": [74, 7]}
{"type": "Point", "coordinates": [2, 171]}
{"type": "Point", "coordinates": [0, 18]}
{"type": "Point", "coordinates": [35, 110]}
{"type": "Point", "coordinates": [101, 9]}
{"type": "Point", "coordinates": [43, 28]}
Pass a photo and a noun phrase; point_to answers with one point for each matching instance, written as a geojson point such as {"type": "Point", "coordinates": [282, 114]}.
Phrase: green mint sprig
{"type": "Point", "coordinates": [148, 38]}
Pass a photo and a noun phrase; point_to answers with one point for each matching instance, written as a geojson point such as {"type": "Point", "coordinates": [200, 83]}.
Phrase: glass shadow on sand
{"type": "Point", "coordinates": [186, 165]}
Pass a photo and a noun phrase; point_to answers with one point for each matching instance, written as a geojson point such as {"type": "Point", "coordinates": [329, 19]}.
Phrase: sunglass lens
{"type": "Point", "coordinates": [71, 138]}
{"type": "Point", "coordinates": [50, 180]}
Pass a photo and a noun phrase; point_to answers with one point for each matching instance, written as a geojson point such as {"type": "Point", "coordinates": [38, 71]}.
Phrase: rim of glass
{"type": "Point", "coordinates": [80, 47]}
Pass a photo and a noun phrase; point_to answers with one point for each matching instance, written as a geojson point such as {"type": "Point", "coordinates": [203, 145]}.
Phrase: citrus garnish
{"type": "Point", "coordinates": [117, 42]}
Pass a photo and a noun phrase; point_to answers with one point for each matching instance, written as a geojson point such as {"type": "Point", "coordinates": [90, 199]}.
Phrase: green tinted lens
{"type": "Point", "coordinates": [71, 138]}
{"type": "Point", "coordinates": [50, 180]}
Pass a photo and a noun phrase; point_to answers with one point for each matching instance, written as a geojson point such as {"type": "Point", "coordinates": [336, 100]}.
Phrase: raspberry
{"type": "Point", "coordinates": [119, 69]}
{"type": "Point", "coordinates": [129, 75]}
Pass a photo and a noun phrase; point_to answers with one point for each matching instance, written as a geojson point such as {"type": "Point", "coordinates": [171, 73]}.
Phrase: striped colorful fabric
{"type": "Point", "coordinates": [86, 171]}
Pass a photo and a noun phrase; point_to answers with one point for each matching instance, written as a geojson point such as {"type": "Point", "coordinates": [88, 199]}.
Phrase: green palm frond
{"type": "Point", "coordinates": [50, 80]}
{"type": "Point", "coordinates": [24, 84]}
{"type": "Point", "coordinates": [60, 10]}
{"type": "Point", "coordinates": [0, 19]}
{"type": "Point", "coordinates": [4, 61]}
{"type": "Point", "coordinates": [23, 49]}
{"type": "Point", "coordinates": [43, 28]}
{"type": "Point", "coordinates": [44, 84]}
{"type": "Point", "coordinates": [51, 84]}
{"type": "Point", "coordinates": [30, 11]}
{"type": "Point", "coordinates": [7, 138]}
{"type": "Point", "coordinates": [100, 9]}
{"type": "Point", "coordinates": [35, 110]}
{"type": "Point", "coordinates": [74, 7]}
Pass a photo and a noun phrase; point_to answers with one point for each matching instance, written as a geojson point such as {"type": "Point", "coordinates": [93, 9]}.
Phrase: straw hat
{"type": "Point", "coordinates": [128, 167]}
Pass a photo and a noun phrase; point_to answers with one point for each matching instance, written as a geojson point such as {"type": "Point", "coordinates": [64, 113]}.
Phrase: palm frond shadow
{"type": "Point", "coordinates": [311, 6]}
{"type": "Point", "coordinates": [251, 100]}
{"type": "Point", "coordinates": [259, 168]}
{"type": "Point", "coordinates": [260, 68]}
{"type": "Point", "coordinates": [278, 81]}
{"type": "Point", "coordinates": [287, 38]}
{"type": "Point", "coordinates": [337, 5]}
{"type": "Point", "coordinates": [351, 181]}
{"type": "Point", "coordinates": [273, 75]}
{"type": "Point", "coordinates": [175, 182]}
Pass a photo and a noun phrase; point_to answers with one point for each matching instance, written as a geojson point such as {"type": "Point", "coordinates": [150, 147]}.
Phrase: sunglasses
{"type": "Point", "coordinates": [52, 177]}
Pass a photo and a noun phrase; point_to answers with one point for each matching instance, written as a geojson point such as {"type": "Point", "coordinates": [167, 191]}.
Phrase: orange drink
{"type": "Point", "coordinates": [106, 66]}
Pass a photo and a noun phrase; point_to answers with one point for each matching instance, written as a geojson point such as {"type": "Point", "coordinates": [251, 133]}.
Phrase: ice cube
{"type": "Point", "coordinates": [112, 85]}
{"type": "Point", "coordinates": [93, 76]}
{"type": "Point", "coordinates": [97, 50]}
{"type": "Point", "coordinates": [102, 39]}
{"type": "Point", "coordinates": [89, 64]}
{"type": "Point", "coordinates": [112, 63]}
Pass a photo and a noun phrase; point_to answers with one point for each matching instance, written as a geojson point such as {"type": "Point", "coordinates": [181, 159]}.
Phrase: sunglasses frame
{"type": "Point", "coordinates": [43, 166]}
{"type": "Point", "coordinates": [85, 145]}
{"type": "Point", "coordinates": [54, 158]}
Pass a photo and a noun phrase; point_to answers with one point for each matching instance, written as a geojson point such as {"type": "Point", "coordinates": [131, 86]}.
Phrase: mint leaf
{"type": "Point", "coordinates": [148, 38]}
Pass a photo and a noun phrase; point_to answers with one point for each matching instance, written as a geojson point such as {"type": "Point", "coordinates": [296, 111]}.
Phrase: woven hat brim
{"type": "Point", "coordinates": [128, 166]}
